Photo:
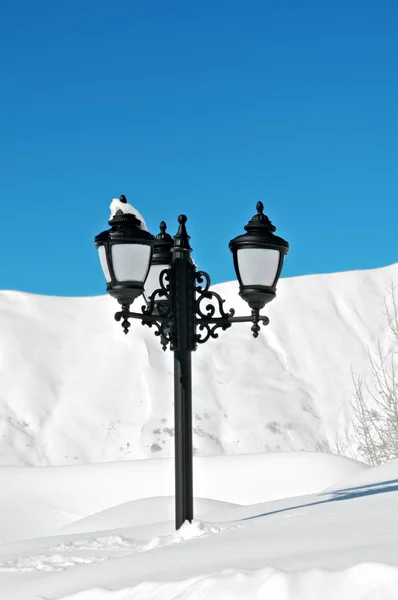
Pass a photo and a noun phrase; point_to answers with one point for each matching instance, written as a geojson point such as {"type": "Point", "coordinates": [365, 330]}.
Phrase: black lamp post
{"type": "Point", "coordinates": [180, 304]}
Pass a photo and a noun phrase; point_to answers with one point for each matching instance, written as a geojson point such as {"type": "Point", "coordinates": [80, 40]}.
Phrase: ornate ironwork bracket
{"type": "Point", "coordinates": [209, 316]}
{"type": "Point", "coordinates": [205, 316]}
{"type": "Point", "coordinates": [157, 312]}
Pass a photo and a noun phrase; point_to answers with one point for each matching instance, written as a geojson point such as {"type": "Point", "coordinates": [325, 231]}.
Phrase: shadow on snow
{"type": "Point", "coordinates": [371, 489]}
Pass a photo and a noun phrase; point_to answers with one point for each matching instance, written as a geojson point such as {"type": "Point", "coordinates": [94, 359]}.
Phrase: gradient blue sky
{"type": "Point", "coordinates": [202, 107]}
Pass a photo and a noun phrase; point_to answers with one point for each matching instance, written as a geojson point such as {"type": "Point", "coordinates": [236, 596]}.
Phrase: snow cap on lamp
{"type": "Point", "coordinates": [125, 252]}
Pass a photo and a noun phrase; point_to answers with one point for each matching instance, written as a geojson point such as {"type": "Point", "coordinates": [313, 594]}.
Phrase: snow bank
{"type": "Point", "coordinates": [367, 581]}
{"type": "Point", "coordinates": [384, 475]}
{"type": "Point", "coordinates": [142, 512]}
{"type": "Point", "coordinates": [75, 389]}
{"type": "Point", "coordinates": [59, 496]}
{"type": "Point", "coordinates": [333, 544]}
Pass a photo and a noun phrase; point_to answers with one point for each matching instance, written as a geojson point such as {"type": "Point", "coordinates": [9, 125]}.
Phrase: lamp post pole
{"type": "Point", "coordinates": [183, 308]}
{"type": "Point", "coordinates": [183, 286]}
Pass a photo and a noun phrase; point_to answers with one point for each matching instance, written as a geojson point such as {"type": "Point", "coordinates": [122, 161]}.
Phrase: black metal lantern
{"type": "Point", "coordinates": [161, 260]}
{"type": "Point", "coordinates": [258, 259]}
{"type": "Point", "coordinates": [125, 253]}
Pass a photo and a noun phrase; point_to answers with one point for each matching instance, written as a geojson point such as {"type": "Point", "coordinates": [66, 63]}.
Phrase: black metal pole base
{"type": "Point", "coordinates": [183, 438]}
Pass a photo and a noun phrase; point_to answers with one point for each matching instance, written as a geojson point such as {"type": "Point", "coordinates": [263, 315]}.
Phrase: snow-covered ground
{"type": "Point", "coordinates": [43, 500]}
{"type": "Point", "coordinates": [340, 543]}
{"type": "Point", "coordinates": [74, 389]}
{"type": "Point", "coordinates": [81, 520]}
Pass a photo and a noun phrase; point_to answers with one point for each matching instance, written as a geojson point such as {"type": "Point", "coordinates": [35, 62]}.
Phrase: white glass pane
{"type": "Point", "coordinates": [258, 266]}
{"type": "Point", "coordinates": [152, 282]}
{"type": "Point", "coordinates": [104, 264]}
{"type": "Point", "coordinates": [130, 261]}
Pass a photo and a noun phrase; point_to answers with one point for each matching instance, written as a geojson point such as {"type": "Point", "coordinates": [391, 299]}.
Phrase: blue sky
{"type": "Point", "coordinates": [200, 108]}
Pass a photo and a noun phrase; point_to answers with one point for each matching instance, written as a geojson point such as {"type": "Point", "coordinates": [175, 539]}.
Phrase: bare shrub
{"type": "Point", "coordinates": [375, 402]}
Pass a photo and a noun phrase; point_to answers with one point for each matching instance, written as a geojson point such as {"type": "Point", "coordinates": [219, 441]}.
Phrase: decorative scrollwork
{"type": "Point", "coordinates": [209, 331]}
{"type": "Point", "coordinates": [205, 310]}
{"type": "Point", "coordinates": [205, 294]}
{"type": "Point", "coordinates": [163, 330]}
{"type": "Point", "coordinates": [200, 277]}
{"type": "Point", "coordinates": [157, 312]}
{"type": "Point", "coordinates": [208, 313]}
{"type": "Point", "coordinates": [160, 304]}
{"type": "Point", "coordinates": [160, 301]}
{"type": "Point", "coordinates": [124, 313]}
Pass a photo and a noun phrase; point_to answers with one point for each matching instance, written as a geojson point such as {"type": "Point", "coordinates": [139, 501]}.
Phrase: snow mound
{"type": "Point", "coordinates": [141, 512]}
{"type": "Point", "coordinates": [384, 475]}
{"type": "Point", "coordinates": [83, 392]}
{"type": "Point", "coordinates": [59, 496]}
{"type": "Point", "coordinates": [337, 544]}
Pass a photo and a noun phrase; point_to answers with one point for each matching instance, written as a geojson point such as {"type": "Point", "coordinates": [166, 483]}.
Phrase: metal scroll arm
{"type": "Point", "coordinates": [209, 312]}
{"type": "Point", "coordinates": [206, 320]}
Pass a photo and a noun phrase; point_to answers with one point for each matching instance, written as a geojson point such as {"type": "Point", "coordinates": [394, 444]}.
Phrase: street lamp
{"type": "Point", "coordinates": [258, 260]}
{"type": "Point", "coordinates": [125, 253]}
{"type": "Point", "coordinates": [180, 304]}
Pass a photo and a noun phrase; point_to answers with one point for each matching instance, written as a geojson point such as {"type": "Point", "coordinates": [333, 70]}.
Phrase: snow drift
{"type": "Point", "coordinates": [41, 501]}
{"type": "Point", "coordinates": [74, 389]}
{"type": "Point", "coordinates": [338, 543]}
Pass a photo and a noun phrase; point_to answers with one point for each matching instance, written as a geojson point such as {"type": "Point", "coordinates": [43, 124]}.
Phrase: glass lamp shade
{"type": "Point", "coordinates": [130, 262]}
{"type": "Point", "coordinates": [258, 259]}
{"type": "Point", "coordinates": [125, 253]}
{"type": "Point", "coordinates": [104, 263]}
{"type": "Point", "coordinates": [258, 266]}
